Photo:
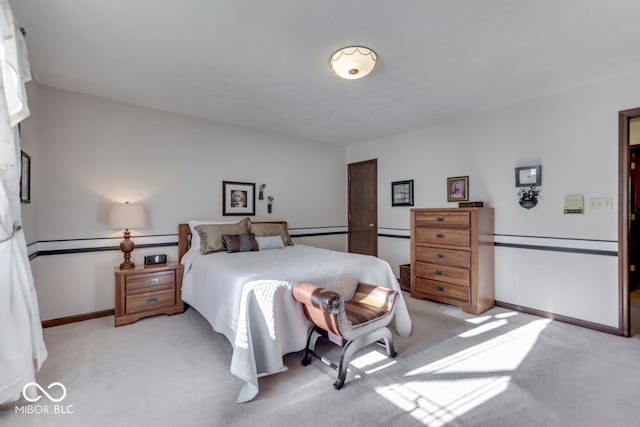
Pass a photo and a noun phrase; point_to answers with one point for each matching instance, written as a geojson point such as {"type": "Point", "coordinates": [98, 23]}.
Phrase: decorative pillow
{"type": "Point", "coordinates": [263, 229]}
{"type": "Point", "coordinates": [211, 234]}
{"type": "Point", "coordinates": [270, 242]}
{"type": "Point", "coordinates": [195, 236]}
{"type": "Point", "coordinates": [240, 242]}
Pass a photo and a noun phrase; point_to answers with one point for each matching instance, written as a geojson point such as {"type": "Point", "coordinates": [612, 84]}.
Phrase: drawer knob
{"type": "Point", "coordinates": [439, 273]}
{"type": "Point", "coordinates": [440, 288]}
{"type": "Point", "coordinates": [440, 219]}
{"type": "Point", "coordinates": [440, 236]}
{"type": "Point", "coordinates": [152, 281]}
{"type": "Point", "coordinates": [151, 300]}
{"type": "Point", "coordinates": [440, 256]}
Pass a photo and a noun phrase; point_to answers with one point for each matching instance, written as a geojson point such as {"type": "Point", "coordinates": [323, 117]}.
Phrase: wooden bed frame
{"type": "Point", "coordinates": [184, 240]}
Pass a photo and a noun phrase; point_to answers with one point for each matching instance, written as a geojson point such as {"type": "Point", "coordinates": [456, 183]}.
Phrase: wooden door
{"type": "Point", "coordinates": [363, 207]}
{"type": "Point", "coordinates": [634, 217]}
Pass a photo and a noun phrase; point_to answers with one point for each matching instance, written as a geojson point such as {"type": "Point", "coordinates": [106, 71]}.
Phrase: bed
{"type": "Point", "coordinates": [246, 296]}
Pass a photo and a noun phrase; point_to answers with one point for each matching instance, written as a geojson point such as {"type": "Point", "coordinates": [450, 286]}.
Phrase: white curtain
{"type": "Point", "coordinates": [22, 348]}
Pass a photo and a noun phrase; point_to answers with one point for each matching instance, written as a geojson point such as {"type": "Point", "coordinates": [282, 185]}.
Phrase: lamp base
{"type": "Point", "coordinates": [127, 246]}
{"type": "Point", "coordinates": [127, 265]}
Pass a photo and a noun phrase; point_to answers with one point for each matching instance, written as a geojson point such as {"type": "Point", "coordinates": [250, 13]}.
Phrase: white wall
{"type": "Point", "coordinates": [574, 136]}
{"type": "Point", "coordinates": [93, 152]}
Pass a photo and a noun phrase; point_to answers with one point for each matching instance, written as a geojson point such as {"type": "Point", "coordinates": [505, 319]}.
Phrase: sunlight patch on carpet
{"type": "Point", "coordinates": [440, 391]}
{"type": "Point", "coordinates": [372, 361]}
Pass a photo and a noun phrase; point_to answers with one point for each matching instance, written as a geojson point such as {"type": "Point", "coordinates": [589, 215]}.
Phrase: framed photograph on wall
{"type": "Point", "coordinates": [527, 176]}
{"type": "Point", "coordinates": [238, 198]}
{"type": "Point", "coordinates": [25, 178]}
{"type": "Point", "coordinates": [458, 189]}
{"type": "Point", "coordinates": [402, 193]}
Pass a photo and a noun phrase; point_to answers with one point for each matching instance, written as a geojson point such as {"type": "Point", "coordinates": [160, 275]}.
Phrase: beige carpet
{"type": "Point", "coordinates": [500, 369]}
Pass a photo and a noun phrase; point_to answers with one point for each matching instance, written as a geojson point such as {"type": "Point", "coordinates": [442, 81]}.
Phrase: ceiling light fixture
{"type": "Point", "coordinates": [353, 62]}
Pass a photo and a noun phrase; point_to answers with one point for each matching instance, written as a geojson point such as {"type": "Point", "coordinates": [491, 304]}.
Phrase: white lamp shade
{"type": "Point", "coordinates": [353, 62]}
{"type": "Point", "coordinates": [126, 215]}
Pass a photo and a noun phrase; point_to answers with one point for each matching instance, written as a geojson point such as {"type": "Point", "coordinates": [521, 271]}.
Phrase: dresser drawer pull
{"type": "Point", "coordinates": [440, 236]}
{"type": "Point", "coordinates": [440, 256]}
{"type": "Point", "coordinates": [440, 288]}
{"type": "Point", "coordinates": [152, 281]}
{"type": "Point", "coordinates": [440, 219]}
{"type": "Point", "coordinates": [151, 300]}
{"type": "Point", "coordinates": [439, 273]}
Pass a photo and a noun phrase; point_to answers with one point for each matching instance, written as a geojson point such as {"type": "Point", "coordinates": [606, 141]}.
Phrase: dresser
{"type": "Point", "coordinates": [452, 257]}
{"type": "Point", "coordinates": [147, 291]}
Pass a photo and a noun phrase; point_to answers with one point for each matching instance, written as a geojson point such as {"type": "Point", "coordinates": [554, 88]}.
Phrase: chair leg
{"type": "Point", "coordinates": [388, 344]}
{"type": "Point", "coordinates": [345, 357]}
{"type": "Point", "coordinates": [352, 346]}
{"type": "Point", "coordinates": [312, 339]}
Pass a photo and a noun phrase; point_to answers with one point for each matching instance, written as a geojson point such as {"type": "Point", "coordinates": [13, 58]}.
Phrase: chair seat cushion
{"type": "Point", "coordinates": [359, 313]}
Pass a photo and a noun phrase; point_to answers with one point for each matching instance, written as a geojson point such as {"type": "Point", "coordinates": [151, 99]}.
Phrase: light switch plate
{"type": "Point", "coordinates": [601, 203]}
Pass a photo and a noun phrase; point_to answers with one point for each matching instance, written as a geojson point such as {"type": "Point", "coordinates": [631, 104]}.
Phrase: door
{"type": "Point", "coordinates": [626, 210]}
{"type": "Point", "coordinates": [363, 207]}
{"type": "Point", "coordinates": [634, 217]}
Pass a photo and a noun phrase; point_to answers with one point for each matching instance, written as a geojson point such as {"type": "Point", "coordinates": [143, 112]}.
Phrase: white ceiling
{"type": "Point", "coordinates": [264, 64]}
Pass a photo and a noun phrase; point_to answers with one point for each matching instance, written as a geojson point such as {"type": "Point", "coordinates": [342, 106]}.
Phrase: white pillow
{"type": "Point", "coordinates": [195, 236]}
{"type": "Point", "coordinates": [270, 242]}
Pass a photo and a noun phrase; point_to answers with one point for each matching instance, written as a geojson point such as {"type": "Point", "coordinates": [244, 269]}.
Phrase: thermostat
{"type": "Point", "coordinates": [574, 204]}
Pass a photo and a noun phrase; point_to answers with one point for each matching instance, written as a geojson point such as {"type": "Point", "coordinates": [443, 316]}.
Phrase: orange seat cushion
{"type": "Point", "coordinates": [359, 313]}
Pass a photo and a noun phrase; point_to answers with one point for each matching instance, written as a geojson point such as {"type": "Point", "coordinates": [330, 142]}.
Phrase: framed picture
{"type": "Point", "coordinates": [25, 178]}
{"type": "Point", "coordinates": [527, 176]}
{"type": "Point", "coordinates": [238, 198]}
{"type": "Point", "coordinates": [402, 193]}
{"type": "Point", "coordinates": [458, 189]}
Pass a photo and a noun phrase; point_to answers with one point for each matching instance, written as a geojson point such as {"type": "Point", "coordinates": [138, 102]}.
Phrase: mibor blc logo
{"type": "Point", "coordinates": [55, 393]}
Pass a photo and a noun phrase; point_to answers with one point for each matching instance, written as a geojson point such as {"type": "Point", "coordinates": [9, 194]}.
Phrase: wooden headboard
{"type": "Point", "coordinates": [184, 240]}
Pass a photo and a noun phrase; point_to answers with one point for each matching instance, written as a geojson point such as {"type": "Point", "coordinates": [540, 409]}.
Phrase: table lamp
{"type": "Point", "coordinates": [126, 215]}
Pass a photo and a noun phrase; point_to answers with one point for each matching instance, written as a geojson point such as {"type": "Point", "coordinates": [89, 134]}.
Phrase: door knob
{"type": "Point", "coordinates": [372, 225]}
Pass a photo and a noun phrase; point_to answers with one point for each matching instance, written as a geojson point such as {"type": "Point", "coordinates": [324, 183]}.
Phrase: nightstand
{"type": "Point", "coordinates": [147, 291]}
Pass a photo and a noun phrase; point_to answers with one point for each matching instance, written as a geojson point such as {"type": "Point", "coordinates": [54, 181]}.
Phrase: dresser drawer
{"type": "Point", "coordinates": [148, 282]}
{"type": "Point", "coordinates": [439, 256]}
{"type": "Point", "coordinates": [442, 273]}
{"type": "Point", "coordinates": [439, 289]}
{"type": "Point", "coordinates": [149, 301]}
{"type": "Point", "coordinates": [443, 236]}
{"type": "Point", "coordinates": [442, 219]}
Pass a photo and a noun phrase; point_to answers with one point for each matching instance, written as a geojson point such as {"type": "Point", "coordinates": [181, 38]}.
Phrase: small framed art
{"type": "Point", "coordinates": [238, 198]}
{"type": "Point", "coordinates": [25, 178]}
{"type": "Point", "coordinates": [402, 193]}
{"type": "Point", "coordinates": [458, 189]}
{"type": "Point", "coordinates": [527, 176]}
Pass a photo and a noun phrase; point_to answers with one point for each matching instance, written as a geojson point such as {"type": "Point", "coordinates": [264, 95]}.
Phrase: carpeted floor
{"type": "Point", "coordinates": [502, 368]}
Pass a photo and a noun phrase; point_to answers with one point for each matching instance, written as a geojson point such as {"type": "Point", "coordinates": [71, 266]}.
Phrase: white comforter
{"type": "Point", "coordinates": [247, 297]}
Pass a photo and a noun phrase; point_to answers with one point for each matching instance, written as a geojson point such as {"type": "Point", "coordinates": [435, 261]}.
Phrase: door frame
{"type": "Point", "coordinates": [349, 166]}
{"type": "Point", "coordinates": [624, 117]}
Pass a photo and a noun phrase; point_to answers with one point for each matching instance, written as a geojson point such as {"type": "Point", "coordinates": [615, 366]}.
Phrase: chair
{"type": "Point", "coordinates": [352, 324]}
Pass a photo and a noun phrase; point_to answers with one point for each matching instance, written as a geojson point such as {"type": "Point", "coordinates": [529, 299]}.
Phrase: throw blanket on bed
{"type": "Point", "coordinates": [247, 297]}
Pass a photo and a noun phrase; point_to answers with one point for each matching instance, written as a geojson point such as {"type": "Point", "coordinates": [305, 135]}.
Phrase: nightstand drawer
{"type": "Point", "coordinates": [443, 236]}
{"type": "Point", "coordinates": [443, 219]}
{"type": "Point", "coordinates": [440, 256]}
{"type": "Point", "coordinates": [152, 281]}
{"type": "Point", "coordinates": [149, 301]}
{"type": "Point", "coordinates": [457, 276]}
{"type": "Point", "coordinates": [438, 289]}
